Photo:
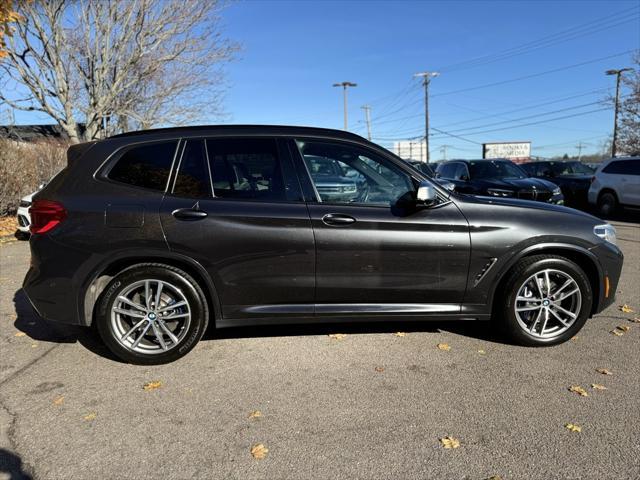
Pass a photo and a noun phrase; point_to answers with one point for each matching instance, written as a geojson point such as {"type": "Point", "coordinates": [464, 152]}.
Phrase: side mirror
{"type": "Point", "coordinates": [426, 195]}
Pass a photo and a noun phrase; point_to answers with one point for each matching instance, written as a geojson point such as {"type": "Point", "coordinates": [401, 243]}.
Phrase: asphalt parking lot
{"type": "Point", "coordinates": [371, 404]}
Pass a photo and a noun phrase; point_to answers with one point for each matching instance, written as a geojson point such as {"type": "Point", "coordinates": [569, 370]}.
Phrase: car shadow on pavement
{"type": "Point", "coordinates": [35, 327]}
{"type": "Point", "coordinates": [11, 466]}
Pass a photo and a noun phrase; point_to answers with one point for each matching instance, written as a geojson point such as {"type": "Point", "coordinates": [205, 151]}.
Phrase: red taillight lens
{"type": "Point", "coordinates": [46, 215]}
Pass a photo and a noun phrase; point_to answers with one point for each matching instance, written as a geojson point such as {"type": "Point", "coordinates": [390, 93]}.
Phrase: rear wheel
{"type": "Point", "coordinates": [607, 204]}
{"type": "Point", "coordinates": [152, 314]}
{"type": "Point", "coordinates": [548, 300]}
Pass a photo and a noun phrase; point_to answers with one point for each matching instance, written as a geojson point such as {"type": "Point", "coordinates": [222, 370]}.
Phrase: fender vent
{"type": "Point", "coordinates": [484, 271]}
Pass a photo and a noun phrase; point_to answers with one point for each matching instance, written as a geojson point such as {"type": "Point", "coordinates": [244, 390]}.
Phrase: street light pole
{"type": "Point", "coordinates": [617, 73]}
{"type": "Point", "coordinates": [367, 116]}
{"type": "Point", "coordinates": [344, 86]}
{"type": "Point", "coordinates": [426, 79]}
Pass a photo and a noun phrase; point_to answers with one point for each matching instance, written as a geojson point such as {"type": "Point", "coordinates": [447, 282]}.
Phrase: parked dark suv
{"type": "Point", "coordinates": [573, 178]}
{"type": "Point", "coordinates": [498, 178]}
{"type": "Point", "coordinates": [152, 235]}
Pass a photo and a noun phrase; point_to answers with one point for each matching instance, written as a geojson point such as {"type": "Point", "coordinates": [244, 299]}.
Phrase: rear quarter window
{"type": "Point", "coordinates": [623, 167]}
{"type": "Point", "coordinates": [146, 166]}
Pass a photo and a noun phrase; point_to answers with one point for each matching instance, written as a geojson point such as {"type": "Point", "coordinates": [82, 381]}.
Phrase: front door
{"type": "Point", "coordinates": [251, 232]}
{"type": "Point", "coordinates": [376, 253]}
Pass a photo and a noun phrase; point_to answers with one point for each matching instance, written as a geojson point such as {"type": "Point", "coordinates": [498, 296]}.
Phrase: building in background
{"type": "Point", "coordinates": [517, 152]}
{"type": "Point", "coordinates": [411, 150]}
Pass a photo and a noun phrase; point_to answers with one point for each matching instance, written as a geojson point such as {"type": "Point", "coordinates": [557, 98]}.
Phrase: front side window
{"type": "Point", "coordinates": [447, 170]}
{"type": "Point", "coordinates": [489, 169]}
{"type": "Point", "coordinates": [193, 174]}
{"type": "Point", "coordinates": [246, 168]}
{"type": "Point", "coordinates": [349, 174]}
{"type": "Point", "coordinates": [571, 168]}
{"type": "Point", "coordinates": [145, 166]}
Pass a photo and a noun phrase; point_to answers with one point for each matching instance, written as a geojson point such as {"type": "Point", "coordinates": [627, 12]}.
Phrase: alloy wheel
{"type": "Point", "coordinates": [548, 303]}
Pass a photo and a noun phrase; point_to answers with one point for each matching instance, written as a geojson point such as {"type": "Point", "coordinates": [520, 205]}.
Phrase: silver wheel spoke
{"type": "Point", "coordinates": [527, 299]}
{"type": "Point", "coordinates": [170, 334]}
{"type": "Point", "coordinates": [567, 295]}
{"type": "Point", "coordinates": [135, 305]}
{"type": "Point", "coordinates": [566, 284]}
{"type": "Point", "coordinates": [147, 293]}
{"type": "Point", "coordinates": [565, 311]}
{"type": "Point", "coordinates": [133, 329]}
{"type": "Point", "coordinates": [158, 335]}
{"type": "Point", "coordinates": [142, 334]}
{"type": "Point", "coordinates": [559, 318]}
{"type": "Point", "coordinates": [176, 315]}
{"type": "Point", "coordinates": [535, 322]}
{"type": "Point", "coordinates": [130, 313]}
{"type": "Point", "coordinates": [548, 282]}
{"type": "Point", "coordinates": [158, 294]}
{"type": "Point", "coordinates": [527, 309]}
{"type": "Point", "coordinates": [171, 307]}
{"type": "Point", "coordinates": [546, 319]}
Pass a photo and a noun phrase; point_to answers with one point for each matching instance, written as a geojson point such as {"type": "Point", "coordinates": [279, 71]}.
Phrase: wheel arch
{"type": "Point", "coordinates": [104, 273]}
{"type": "Point", "coordinates": [578, 255]}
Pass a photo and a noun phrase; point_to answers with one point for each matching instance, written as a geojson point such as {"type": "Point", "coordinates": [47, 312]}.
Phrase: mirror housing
{"type": "Point", "coordinates": [426, 194]}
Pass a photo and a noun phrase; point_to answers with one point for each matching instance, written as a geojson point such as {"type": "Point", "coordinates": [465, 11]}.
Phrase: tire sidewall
{"type": "Point", "coordinates": [511, 322]}
{"type": "Point", "coordinates": [193, 294]}
{"type": "Point", "coordinates": [607, 204]}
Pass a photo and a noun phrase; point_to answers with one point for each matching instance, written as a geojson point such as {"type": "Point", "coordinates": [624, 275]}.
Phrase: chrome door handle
{"type": "Point", "coordinates": [188, 214]}
{"type": "Point", "coordinates": [338, 220]}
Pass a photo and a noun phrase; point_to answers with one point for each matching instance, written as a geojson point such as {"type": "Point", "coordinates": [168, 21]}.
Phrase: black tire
{"type": "Point", "coordinates": [607, 204]}
{"type": "Point", "coordinates": [519, 274]}
{"type": "Point", "coordinates": [190, 336]}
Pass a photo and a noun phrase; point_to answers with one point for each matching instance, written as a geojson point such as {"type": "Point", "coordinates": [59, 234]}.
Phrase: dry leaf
{"type": "Point", "coordinates": [379, 369]}
{"type": "Point", "coordinates": [90, 416]}
{"type": "Point", "coordinates": [481, 352]}
{"type": "Point", "coordinates": [20, 334]}
{"type": "Point", "coordinates": [443, 346]}
{"type": "Point", "coordinates": [597, 386]}
{"type": "Point", "coordinates": [634, 319]}
{"type": "Point", "coordinates": [450, 442]}
{"type": "Point", "coordinates": [337, 336]}
{"type": "Point", "coordinates": [579, 390]}
{"type": "Point", "coordinates": [624, 328]}
{"type": "Point", "coordinates": [152, 385]}
{"type": "Point", "coordinates": [617, 333]}
{"type": "Point", "coordinates": [574, 338]}
{"type": "Point", "coordinates": [255, 414]}
{"type": "Point", "coordinates": [259, 451]}
{"type": "Point", "coordinates": [400, 334]}
{"type": "Point", "coordinates": [573, 427]}
{"type": "Point", "coordinates": [494, 477]}
{"type": "Point", "coordinates": [34, 345]}
{"type": "Point", "coordinates": [58, 401]}
{"type": "Point", "coordinates": [626, 309]}
{"type": "Point", "coordinates": [604, 371]}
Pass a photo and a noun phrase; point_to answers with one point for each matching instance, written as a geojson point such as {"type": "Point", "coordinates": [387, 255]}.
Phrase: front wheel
{"type": "Point", "coordinates": [151, 314]}
{"type": "Point", "coordinates": [607, 204]}
{"type": "Point", "coordinates": [548, 300]}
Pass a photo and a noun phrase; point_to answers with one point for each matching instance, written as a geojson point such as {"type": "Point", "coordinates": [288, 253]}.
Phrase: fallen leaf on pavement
{"type": "Point", "coordinates": [259, 451]}
{"type": "Point", "coordinates": [604, 371]}
{"type": "Point", "coordinates": [481, 352]}
{"type": "Point", "coordinates": [579, 390]}
{"type": "Point", "coordinates": [624, 328]}
{"type": "Point", "coordinates": [337, 336]}
{"type": "Point", "coordinates": [20, 334]}
{"type": "Point", "coordinates": [617, 333]}
{"type": "Point", "coordinates": [597, 386]}
{"type": "Point", "coordinates": [626, 309]}
{"type": "Point", "coordinates": [379, 369]}
{"type": "Point", "coordinates": [494, 477]}
{"type": "Point", "coordinates": [443, 346]}
{"type": "Point", "coordinates": [574, 338]}
{"type": "Point", "coordinates": [90, 416]}
{"type": "Point", "coordinates": [634, 319]}
{"type": "Point", "coordinates": [400, 334]}
{"type": "Point", "coordinates": [573, 427]}
{"type": "Point", "coordinates": [58, 401]}
{"type": "Point", "coordinates": [152, 385]}
{"type": "Point", "coordinates": [255, 414]}
{"type": "Point", "coordinates": [34, 345]}
{"type": "Point", "coordinates": [450, 442]}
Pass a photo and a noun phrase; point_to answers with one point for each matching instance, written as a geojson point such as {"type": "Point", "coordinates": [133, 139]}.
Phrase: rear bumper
{"type": "Point", "coordinates": [611, 259]}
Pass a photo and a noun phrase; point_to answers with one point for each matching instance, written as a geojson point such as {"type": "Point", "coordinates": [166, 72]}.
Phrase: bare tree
{"type": "Point", "coordinates": [137, 63]}
{"type": "Point", "coordinates": [628, 141]}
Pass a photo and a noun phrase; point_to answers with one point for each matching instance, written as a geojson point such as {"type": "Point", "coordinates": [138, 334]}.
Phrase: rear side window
{"type": "Point", "coordinates": [246, 168]}
{"type": "Point", "coordinates": [193, 174]}
{"type": "Point", "coordinates": [145, 166]}
{"type": "Point", "coordinates": [623, 167]}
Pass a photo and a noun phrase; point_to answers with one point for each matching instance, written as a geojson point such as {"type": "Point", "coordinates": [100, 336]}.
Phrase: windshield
{"type": "Point", "coordinates": [571, 168]}
{"type": "Point", "coordinates": [485, 169]}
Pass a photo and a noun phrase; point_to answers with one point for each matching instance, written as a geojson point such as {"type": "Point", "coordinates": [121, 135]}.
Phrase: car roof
{"type": "Point", "coordinates": [287, 130]}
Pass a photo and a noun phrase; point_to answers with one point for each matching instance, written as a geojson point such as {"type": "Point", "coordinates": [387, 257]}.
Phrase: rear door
{"type": "Point", "coordinates": [235, 206]}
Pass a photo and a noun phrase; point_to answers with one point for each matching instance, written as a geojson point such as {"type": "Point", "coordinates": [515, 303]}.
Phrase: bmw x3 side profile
{"type": "Point", "coordinates": [152, 235]}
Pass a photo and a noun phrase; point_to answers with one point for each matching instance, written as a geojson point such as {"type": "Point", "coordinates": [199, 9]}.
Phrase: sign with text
{"type": "Point", "coordinates": [510, 150]}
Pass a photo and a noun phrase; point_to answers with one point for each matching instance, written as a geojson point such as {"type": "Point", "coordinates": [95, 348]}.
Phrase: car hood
{"type": "Point", "coordinates": [514, 202]}
{"type": "Point", "coordinates": [517, 183]}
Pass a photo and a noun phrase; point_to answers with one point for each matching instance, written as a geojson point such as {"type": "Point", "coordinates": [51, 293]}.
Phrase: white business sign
{"type": "Point", "coordinates": [506, 150]}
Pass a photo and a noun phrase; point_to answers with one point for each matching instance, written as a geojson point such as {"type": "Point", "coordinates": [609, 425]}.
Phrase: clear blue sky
{"type": "Point", "coordinates": [293, 51]}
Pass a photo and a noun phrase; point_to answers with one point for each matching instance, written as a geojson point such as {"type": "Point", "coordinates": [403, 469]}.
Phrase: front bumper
{"type": "Point", "coordinates": [610, 258]}
{"type": "Point", "coordinates": [24, 219]}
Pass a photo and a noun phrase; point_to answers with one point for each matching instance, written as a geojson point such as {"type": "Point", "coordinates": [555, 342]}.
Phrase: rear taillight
{"type": "Point", "coordinates": [593, 179]}
{"type": "Point", "coordinates": [46, 215]}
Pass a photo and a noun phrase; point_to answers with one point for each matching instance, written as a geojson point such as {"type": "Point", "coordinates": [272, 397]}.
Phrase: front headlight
{"type": "Point", "coordinates": [496, 192]}
{"type": "Point", "coordinates": [25, 203]}
{"type": "Point", "coordinates": [557, 191]}
{"type": "Point", "coordinates": [606, 232]}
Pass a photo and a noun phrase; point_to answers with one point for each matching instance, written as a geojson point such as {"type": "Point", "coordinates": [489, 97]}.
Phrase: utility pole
{"type": "Point", "coordinates": [617, 73]}
{"type": "Point", "coordinates": [580, 146]}
{"type": "Point", "coordinates": [443, 150]}
{"type": "Point", "coordinates": [367, 116]}
{"type": "Point", "coordinates": [426, 79]}
{"type": "Point", "coordinates": [345, 86]}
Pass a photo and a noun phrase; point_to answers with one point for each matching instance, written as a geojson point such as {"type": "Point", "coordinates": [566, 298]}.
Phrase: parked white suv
{"type": "Point", "coordinates": [616, 183]}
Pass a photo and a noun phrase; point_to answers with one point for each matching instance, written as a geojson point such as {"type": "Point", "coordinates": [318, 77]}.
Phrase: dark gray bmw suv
{"type": "Point", "coordinates": [152, 235]}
